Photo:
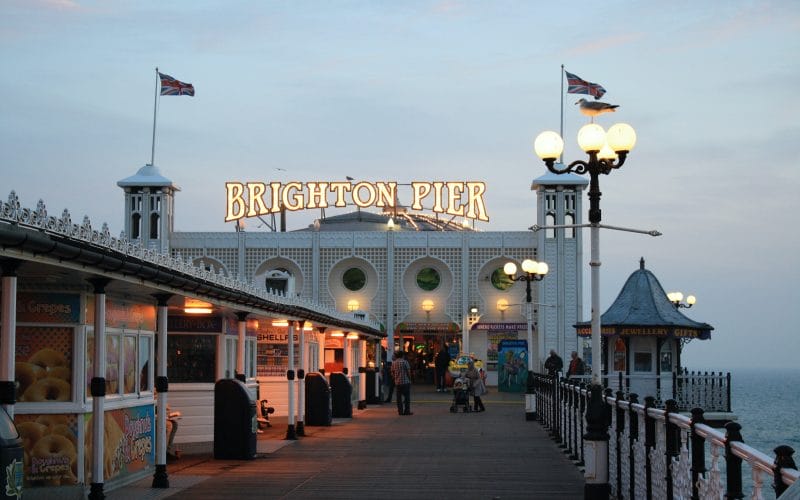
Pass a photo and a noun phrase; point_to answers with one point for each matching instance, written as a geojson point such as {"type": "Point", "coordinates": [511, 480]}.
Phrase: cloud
{"type": "Point", "coordinates": [48, 5]}
{"type": "Point", "coordinates": [601, 44]}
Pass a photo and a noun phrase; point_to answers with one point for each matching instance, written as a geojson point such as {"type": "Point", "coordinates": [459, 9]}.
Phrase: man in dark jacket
{"type": "Point", "coordinates": [553, 364]}
{"type": "Point", "coordinates": [441, 363]}
{"type": "Point", "coordinates": [576, 366]}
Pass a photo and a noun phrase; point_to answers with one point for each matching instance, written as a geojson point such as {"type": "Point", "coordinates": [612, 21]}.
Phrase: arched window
{"type": "Point", "coordinates": [154, 218]}
{"type": "Point", "coordinates": [277, 280]}
{"type": "Point", "coordinates": [136, 226]}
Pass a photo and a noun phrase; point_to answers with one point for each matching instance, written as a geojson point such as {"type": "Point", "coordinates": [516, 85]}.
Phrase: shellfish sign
{"type": "Point", "coordinates": [252, 199]}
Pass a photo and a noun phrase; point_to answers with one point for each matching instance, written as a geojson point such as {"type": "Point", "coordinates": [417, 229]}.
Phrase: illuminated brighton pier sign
{"type": "Point", "coordinates": [252, 199]}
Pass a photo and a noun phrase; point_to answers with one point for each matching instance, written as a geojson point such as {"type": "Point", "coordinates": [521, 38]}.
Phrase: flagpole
{"type": "Point", "coordinates": [155, 108]}
{"type": "Point", "coordinates": [561, 131]}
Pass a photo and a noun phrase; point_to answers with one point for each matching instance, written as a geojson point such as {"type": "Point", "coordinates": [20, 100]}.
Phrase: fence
{"type": "Point", "coordinates": [708, 390]}
{"type": "Point", "coordinates": [659, 453]}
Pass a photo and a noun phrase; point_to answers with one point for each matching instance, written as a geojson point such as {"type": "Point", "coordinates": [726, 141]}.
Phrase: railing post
{"type": "Point", "coordinates": [620, 428]}
{"type": "Point", "coordinates": [596, 444]}
{"type": "Point", "coordinates": [733, 464]}
{"type": "Point", "coordinates": [583, 404]}
{"type": "Point", "coordinates": [783, 460]}
{"type": "Point", "coordinates": [729, 391]}
{"type": "Point", "coordinates": [649, 444]}
{"type": "Point", "coordinates": [577, 413]}
{"type": "Point", "coordinates": [562, 422]}
{"type": "Point", "coordinates": [633, 435]}
{"type": "Point", "coordinates": [698, 452]}
{"type": "Point", "coordinates": [672, 442]}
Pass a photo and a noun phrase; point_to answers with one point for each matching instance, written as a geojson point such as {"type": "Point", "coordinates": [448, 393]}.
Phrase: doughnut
{"type": "Point", "coordinates": [112, 440]}
{"type": "Point", "coordinates": [64, 430]}
{"type": "Point", "coordinates": [51, 421]}
{"type": "Point", "coordinates": [48, 389]}
{"type": "Point", "coordinates": [48, 358]}
{"type": "Point", "coordinates": [26, 374]}
{"type": "Point", "coordinates": [30, 433]}
{"type": "Point", "coordinates": [62, 372]}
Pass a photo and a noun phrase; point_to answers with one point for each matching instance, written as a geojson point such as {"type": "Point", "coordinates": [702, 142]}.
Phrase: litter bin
{"type": "Point", "coordinates": [235, 422]}
{"type": "Point", "coordinates": [341, 395]}
{"type": "Point", "coordinates": [372, 386]}
{"type": "Point", "coordinates": [11, 458]}
{"type": "Point", "coordinates": [318, 400]}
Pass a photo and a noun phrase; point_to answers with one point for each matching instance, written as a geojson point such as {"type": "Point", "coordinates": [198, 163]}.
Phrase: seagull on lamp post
{"type": "Point", "coordinates": [594, 108]}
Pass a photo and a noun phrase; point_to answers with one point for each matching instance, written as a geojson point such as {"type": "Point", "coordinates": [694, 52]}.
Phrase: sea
{"type": "Point", "coordinates": [766, 402]}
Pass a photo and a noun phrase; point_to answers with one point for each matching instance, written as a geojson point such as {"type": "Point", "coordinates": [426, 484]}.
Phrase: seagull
{"type": "Point", "coordinates": [595, 108]}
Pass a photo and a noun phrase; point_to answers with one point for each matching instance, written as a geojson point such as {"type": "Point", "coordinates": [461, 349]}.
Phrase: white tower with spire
{"type": "Point", "coordinates": [149, 207]}
{"type": "Point", "coordinates": [559, 202]}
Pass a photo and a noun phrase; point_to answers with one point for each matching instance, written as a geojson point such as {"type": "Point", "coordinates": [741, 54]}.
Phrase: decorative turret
{"type": "Point", "coordinates": [558, 203]}
{"type": "Point", "coordinates": [149, 207]}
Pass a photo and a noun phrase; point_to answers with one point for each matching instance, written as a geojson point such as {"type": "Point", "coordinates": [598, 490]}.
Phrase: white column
{"type": "Point", "coordinates": [241, 316]}
{"type": "Point", "coordinates": [290, 381]}
{"type": "Point", "coordinates": [8, 333]}
{"type": "Point", "coordinates": [98, 386]}
{"type": "Point", "coordinates": [362, 375]}
{"type": "Point", "coordinates": [346, 357]}
{"type": "Point", "coordinates": [595, 265]}
{"type": "Point", "coordinates": [162, 387]}
{"type": "Point", "coordinates": [301, 382]}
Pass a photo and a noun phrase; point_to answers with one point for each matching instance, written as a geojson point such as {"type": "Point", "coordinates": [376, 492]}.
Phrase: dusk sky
{"type": "Point", "coordinates": [440, 90]}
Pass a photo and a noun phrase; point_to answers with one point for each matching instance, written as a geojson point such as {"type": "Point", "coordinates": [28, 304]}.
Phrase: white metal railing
{"type": "Point", "coordinates": [660, 453]}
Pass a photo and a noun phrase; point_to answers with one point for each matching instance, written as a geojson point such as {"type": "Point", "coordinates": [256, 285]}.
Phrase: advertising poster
{"type": "Point", "coordinates": [43, 364]}
{"type": "Point", "coordinates": [50, 451]}
{"type": "Point", "coordinates": [512, 365]}
{"type": "Point", "coordinates": [129, 442]}
{"type": "Point", "coordinates": [272, 356]}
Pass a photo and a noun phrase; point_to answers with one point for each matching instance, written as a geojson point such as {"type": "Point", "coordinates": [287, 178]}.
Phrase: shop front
{"type": "Point", "coordinates": [53, 361]}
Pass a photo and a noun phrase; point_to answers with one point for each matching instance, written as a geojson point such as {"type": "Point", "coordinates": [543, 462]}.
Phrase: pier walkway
{"type": "Point", "coordinates": [433, 453]}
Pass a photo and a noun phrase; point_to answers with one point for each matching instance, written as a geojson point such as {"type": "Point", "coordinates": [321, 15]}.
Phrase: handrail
{"type": "Point", "coordinates": [682, 441]}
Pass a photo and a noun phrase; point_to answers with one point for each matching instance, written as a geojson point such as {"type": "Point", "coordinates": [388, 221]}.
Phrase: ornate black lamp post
{"type": "Point", "coordinates": [531, 271]}
{"type": "Point", "coordinates": [607, 152]}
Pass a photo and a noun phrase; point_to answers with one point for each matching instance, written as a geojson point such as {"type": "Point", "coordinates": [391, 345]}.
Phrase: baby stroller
{"type": "Point", "coordinates": [461, 392]}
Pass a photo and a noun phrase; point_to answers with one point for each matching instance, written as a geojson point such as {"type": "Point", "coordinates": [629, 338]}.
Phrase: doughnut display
{"type": "Point", "coordinates": [48, 358]}
{"type": "Point", "coordinates": [27, 374]}
{"type": "Point", "coordinates": [48, 389]}
{"type": "Point", "coordinates": [112, 441]}
{"type": "Point", "coordinates": [45, 376]}
{"type": "Point", "coordinates": [49, 450]}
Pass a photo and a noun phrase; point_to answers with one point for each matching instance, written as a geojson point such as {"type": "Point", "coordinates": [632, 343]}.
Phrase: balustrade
{"type": "Point", "coordinates": [661, 453]}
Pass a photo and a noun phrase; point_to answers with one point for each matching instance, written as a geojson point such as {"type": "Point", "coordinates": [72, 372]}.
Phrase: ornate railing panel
{"type": "Point", "coordinates": [660, 453]}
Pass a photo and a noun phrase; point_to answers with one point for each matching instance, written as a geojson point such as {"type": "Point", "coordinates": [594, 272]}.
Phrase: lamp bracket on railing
{"type": "Point", "coordinates": [652, 232]}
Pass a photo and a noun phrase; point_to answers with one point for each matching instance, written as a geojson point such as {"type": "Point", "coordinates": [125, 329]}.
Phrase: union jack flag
{"type": "Point", "coordinates": [171, 86]}
{"type": "Point", "coordinates": [578, 85]}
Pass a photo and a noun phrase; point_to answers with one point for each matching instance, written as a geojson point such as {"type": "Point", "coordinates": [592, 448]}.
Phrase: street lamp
{"type": "Point", "coordinates": [607, 152]}
{"type": "Point", "coordinates": [677, 297]}
{"type": "Point", "coordinates": [532, 271]}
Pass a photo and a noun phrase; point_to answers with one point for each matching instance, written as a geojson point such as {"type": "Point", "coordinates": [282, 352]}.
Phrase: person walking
{"type": "Point", "coordinates": [387, 368]}
{"type": "Point", "coordinates": [576, 366]}
{"type": "Point", "coordinates": [441, 363]}
{"type": "Point", "coordinates": [553, 364]}
{"type": "Point", "coordinates": [401, 373]}
{"type": "Point", "coordinates": [477, 385]}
